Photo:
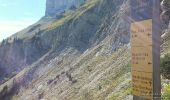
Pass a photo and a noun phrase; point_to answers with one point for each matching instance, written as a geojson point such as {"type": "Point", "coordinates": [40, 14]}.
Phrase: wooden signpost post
{"type": "Point", "coordinates": [145, 49]}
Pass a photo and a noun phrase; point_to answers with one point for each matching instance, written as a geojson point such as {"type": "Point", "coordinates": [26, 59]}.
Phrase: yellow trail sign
{"type": "Point", "coordinates": [141, 33]}
{"type": "Point", "coordinates": [145, 49]}
{"type": "Point", "coordinates": [141, 48]}
{"type": "Point", "coordinates": [142, 84]}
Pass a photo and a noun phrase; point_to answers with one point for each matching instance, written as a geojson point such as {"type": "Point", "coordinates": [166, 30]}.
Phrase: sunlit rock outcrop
{"type": "Point", "coordinates": [54, 7]}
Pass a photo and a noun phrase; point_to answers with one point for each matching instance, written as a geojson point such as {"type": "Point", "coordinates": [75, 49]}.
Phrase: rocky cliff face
{"type": "Point", "coordinates": [54, 7]}
{"type": "Point", "coordinates": [83, 55]}
{"type": "Point", "coordinates": [165, 16]}
{"type": "Point", "coordinates": [19, 54]}
{"type": "Point", "coordinates": [79, 49]}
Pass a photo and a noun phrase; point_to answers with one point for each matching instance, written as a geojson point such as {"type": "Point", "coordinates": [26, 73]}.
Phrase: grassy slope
{"type": "Point", "coordinates": [166, 46]}
{"type": "Point", "coordinates": [99, 76]}
{"type": "Point", "coordinates": [72, 15]}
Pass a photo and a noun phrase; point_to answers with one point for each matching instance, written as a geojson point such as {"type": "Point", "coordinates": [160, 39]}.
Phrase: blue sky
{"type": "Point", "coordinates": [16, 15]}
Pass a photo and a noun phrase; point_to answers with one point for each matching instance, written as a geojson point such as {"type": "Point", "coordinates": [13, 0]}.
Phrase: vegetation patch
{"type": "Point", "coordinates": [119, 95]}
{"type": "Point", "coordinates": [165, 66]}
{"type": "Point", "coordinates": [166, 93]}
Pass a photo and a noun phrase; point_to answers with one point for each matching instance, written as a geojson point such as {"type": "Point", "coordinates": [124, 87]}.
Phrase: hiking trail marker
{"type": "Point", "coordinates": [145, 49]}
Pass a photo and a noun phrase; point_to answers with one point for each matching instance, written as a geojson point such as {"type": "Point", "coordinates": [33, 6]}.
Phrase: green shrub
{"type": "Point", "coordinates": [166, 93]}
{"type": "Point", "coordinates": [165, 66]}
